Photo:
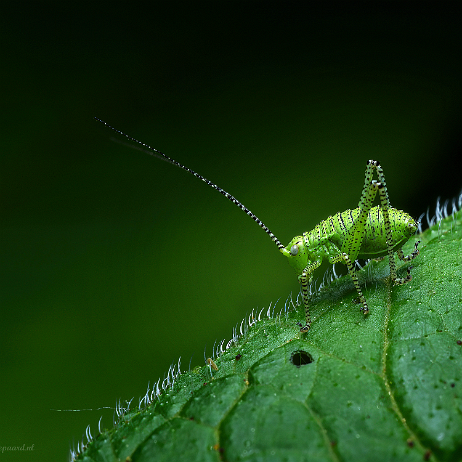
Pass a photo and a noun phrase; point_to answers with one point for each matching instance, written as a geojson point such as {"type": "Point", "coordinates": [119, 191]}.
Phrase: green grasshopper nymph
{"type": "Point", "coordinates": [364, 232]}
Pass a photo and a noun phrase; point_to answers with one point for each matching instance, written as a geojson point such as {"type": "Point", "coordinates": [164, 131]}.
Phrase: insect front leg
{"type": "Point", "coordinates": [305, 278]}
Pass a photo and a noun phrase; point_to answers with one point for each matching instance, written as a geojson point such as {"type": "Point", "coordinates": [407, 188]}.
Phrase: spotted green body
{"type": "Point", "coordinates": [326, 239]}
{"type": "Point", "coordinates": [365, 232]}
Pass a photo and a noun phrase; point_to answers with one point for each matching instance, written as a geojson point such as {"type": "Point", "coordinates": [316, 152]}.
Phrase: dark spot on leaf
{"type": "Point", "coordinates": [459, 342]}
{"type": "Point", "coordinates": [427, 455]}
{"type": "Point", "coordinates": [300, 358]}
{"type": "Point", "coordinates": [238, 357]}
{"type": "Point", "coordinates": [410, 443]}
{"type": "Point", "coordinates": [453, 385]}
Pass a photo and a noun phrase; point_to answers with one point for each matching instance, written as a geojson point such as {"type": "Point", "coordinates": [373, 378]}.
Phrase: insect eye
{"type": "Point", "coordinates": [294, 250]}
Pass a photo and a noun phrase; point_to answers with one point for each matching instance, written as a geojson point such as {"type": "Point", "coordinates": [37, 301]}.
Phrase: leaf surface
{"type": "Point", "coordinates": [385, 387]}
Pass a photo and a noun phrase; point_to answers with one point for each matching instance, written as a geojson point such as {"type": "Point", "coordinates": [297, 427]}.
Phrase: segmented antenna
{"type": "Point", "coordinates": [213, 185]}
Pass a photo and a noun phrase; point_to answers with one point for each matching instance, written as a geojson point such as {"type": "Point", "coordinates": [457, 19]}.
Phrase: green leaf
{"type": "Point", "coordinates": [385, 387]}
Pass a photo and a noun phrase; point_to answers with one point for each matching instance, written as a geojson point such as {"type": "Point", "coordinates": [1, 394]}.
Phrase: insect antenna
{"type": "Point", "coordinates": [156, 153]}
{"type": "Point", "coordinates": [140, 148]}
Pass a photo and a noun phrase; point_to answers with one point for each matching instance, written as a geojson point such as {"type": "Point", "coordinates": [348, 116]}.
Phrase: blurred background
{"type": "Point", "coordinates": [114, 263]}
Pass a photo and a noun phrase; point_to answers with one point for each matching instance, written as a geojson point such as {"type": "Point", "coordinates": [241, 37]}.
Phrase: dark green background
{"type": "Point", "coordinates": [114, 263]}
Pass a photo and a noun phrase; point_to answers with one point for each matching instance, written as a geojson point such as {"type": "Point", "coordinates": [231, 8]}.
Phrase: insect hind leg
{"type": "Point", "coordinates": [385, 206]}
{"type": "Point", "coordinates": [410, 257]}
{"type": "Point", "coordinates": [401, 256]}
{"type": "Point", "coordinates": [352, 273]}
{"type": "Point", "coordinates": [354, 237]}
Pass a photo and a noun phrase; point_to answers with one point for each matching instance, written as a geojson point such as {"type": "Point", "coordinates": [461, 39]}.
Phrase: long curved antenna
{"type": "Point", "coordinates": [213, 185]}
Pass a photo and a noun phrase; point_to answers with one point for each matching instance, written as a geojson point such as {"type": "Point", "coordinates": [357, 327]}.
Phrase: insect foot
{"type": "Point", "coordinates": [364, 309]}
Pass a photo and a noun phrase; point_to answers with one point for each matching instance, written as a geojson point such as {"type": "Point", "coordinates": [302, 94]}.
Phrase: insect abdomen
{"type": "Point", "coordinates": [374, 242]}
{"type": "Point", "coordinates": [374, 245]}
